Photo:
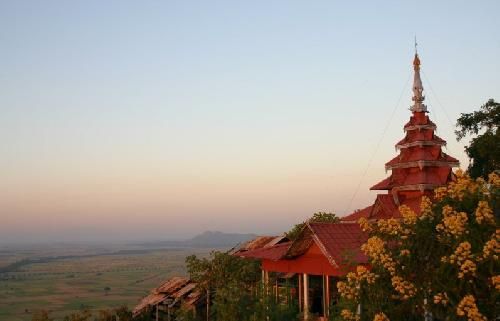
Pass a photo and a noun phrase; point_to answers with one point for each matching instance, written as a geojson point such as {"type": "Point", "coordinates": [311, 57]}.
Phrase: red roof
{"type": "Point", "coordinates": [337, 241]}
{"type": "Point", "coordinates": [356, 215]}
{"type": "Point", "coordinates": [385, 207]}
{"type": "Point", "coordinates": [433, 176]}
{"type": "Point", "coordinates": [419, 119]}
{"type": "Point", "coordinates": [383, 185]}
{"type": "Point", "coordinates": [421, 154]}
{"type": "Point", "coordinates": [272, 253]}
{"type": "Point", "coordinates": [409, 139]}
{"type": "Point", "coordinates": [340, 241]}
{"type": "Point", "coordinates": [388, 208]}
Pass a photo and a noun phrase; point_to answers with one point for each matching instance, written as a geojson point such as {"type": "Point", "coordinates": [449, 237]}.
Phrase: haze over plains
{"type": "Point", "coordinates": [123, 120]}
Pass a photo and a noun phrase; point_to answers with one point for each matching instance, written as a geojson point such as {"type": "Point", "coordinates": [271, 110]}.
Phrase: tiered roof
{"type": "Point", "coordinates": [420, 167]}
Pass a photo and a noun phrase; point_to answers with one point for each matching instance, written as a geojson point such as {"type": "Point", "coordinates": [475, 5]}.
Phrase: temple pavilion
{"type": "Point", "coordinates": [323, 252]}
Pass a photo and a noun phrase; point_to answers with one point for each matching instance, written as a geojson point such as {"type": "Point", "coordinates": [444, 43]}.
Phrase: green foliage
{"type": "Point", "coordinates": [230, 280]}
{"type": "Point", "coordinates": [236, 292]}
{"type": "Point", "coordinates": [266, 307]}
{"type": "Point", "coordinates": [484, 149]}
{"type": "Point", "coordinates": [188, 315]}
{"type": "Point", "coordinates": [317, 217]}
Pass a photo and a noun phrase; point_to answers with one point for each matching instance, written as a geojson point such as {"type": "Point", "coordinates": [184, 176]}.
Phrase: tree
{"type": "Point", "coordinates": [106, 290]}
{"type": "Point", "coordinates": [123, 313]}
{"type": "Point", "coordinates": [443, 263]}
{"type": "Point", "coordinates": [317, 217]}
{"type": "Point", "coordinates": [484, 149]}
{"type": "Point", "coordinates": [227, 280]}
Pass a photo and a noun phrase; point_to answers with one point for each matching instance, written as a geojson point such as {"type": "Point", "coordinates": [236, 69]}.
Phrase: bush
{"type": "Point", "coordinates": [443, 263]}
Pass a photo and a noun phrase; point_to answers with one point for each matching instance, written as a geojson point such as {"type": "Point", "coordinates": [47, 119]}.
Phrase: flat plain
{"type": "Point", "coordinates": [70, 279]}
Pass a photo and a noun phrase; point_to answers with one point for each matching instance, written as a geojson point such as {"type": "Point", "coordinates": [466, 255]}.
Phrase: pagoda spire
{"type": "Point", "coordinates": [418, 97]}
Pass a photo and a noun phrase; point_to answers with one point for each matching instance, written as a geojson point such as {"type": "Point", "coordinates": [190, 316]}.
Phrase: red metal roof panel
{"type": "Point", "coordinates": [341, 241]}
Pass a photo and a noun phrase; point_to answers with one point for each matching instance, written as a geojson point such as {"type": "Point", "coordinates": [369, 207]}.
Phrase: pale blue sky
{"type": "Point", "coordinates": [166, 118]}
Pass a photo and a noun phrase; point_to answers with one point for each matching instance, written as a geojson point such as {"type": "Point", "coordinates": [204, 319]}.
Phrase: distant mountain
{"type": "Point", "coordinates": [206, 239]}
{"type": "Point", "coordinates": [218, 239]}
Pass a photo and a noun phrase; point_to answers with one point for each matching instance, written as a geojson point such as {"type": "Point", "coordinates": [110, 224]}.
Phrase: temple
{"type": "Point", "coordinates": [323, 252]}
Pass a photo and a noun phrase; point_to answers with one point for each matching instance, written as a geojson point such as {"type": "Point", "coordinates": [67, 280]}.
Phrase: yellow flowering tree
{"type": "Point", "coordinates": [442, 262]}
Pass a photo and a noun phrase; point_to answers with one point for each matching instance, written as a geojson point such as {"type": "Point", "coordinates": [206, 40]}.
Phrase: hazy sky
{"type": "Point", "coordinates": [161, 119]}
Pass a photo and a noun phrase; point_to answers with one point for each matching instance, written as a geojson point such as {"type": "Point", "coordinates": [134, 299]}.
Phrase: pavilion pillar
{"type": "Point", "coordinates": [306, 296]}
{"type": "Point", "coordinates": [300, 291]}
{"type": "Point", "coordinates": [277, 290]}
{"type": "Point", "coordinates": [265, 281]}
{"type": "Point", "coordinates": [326, 295]}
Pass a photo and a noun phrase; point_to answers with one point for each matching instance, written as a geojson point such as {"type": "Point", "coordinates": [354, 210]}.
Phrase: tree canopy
{"type": "Point", "coordinates": [316, 218]}
{"type": "Point", "coordinates": [484, 148]}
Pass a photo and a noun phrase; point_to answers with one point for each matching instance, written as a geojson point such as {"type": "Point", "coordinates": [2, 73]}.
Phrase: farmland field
{"type": "Point", "coordinates": [74, 279]}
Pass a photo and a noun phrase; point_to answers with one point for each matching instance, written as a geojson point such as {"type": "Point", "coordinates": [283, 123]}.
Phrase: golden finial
{"type": "Point", "coordinates": [416, 60]}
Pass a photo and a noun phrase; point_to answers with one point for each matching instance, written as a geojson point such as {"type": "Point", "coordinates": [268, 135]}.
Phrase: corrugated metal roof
{"type": "Point", "coordinates": [175, 289]}
{"type": "Point", "coordinates": [273, 253]}
{"type": "Point", "coordinates": [172, 285]}
{"type": "Point", "coordinates": [148, 301]}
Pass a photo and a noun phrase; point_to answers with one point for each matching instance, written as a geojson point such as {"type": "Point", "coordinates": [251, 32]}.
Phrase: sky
{"type": "Point", "coordinates": [145, 120]}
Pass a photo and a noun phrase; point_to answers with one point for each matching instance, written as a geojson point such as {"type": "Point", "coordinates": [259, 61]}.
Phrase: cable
{"type": "Point", "coordinates": [452, 125]}
{"type": "Point", "coordinates": [438, 101]}
{"type": "Point", "coordinates": [378, 144]}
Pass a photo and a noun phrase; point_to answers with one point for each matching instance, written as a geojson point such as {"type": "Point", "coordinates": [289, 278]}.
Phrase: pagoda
{"type": "Point", "coordinates": [420, 167]}
{"type": "Point", "coordinates": [318, 255]}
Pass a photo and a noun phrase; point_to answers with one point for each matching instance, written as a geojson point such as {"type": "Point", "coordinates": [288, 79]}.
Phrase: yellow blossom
{"type": "Point", "coordinates": [468, 308]}
{"type": "Point", "coordinates": [349, 316]}
{"type": "Point", "coordinates": [380, 317]}
{"type": "Point", "coordinates": [495, 280]}
{"type": "Point", "coordinates": [440, 193]}
{"type": "Point", "coordinates": [494, 179]}
{"type": "Point", "coordinates": [492, 247]}
{"type": "Point", "coordinates": [362, 273]}
{"type": "Point", "coordinates": [462, 253]}
{"type": "Point", "coordinates": [364, 224]}
{"type": "Point", "coordinates": [375, 249]}
{"type": "Point", "coordinates": [468, 267]}
{"type": "Point", "coordinates": [441, 298]}
{"type": "Point", "coordinates": [405, 288]}
{"type": "Point", "coordinates": [425, 206]}
{"type": "Point", "coordinates": [404, 252]}
{"type": "Point", "coordinates": [409, 216]}
{"type": "Point", "coordinates": [390, 226]}
{"type": "Point", "coordinates": [462, 257]}
{"type": "Point", "coordinates": [461, 185]}
{"type": "Point", "coordinates": [484, 213]}
{"type": "Point", "coordinates": [453, 223]}
{"type": "Point", "coordinates": [350, 288]}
